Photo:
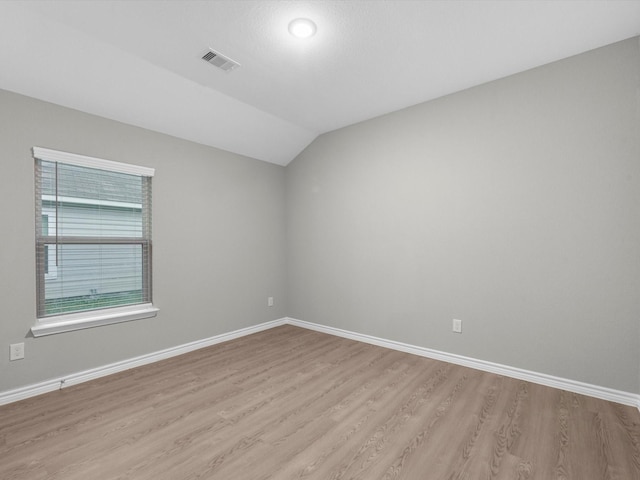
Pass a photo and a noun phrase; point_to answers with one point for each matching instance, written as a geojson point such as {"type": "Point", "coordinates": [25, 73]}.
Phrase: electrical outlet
{"type": "Point", "coordinates": [457, 325]}
{"type": "Point", "coordinates": [16, 351]}
{"type": "Point", "coordinates": [270, 302]}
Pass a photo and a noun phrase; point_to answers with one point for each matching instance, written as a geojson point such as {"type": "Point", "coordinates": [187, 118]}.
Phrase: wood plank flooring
{"type": "Point", "coordinates": [290, 403]}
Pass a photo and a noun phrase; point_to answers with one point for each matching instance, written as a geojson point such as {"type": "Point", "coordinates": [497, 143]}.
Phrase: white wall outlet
{"type": "Point", "coordinates": [457, 325]}
{"type": "Point", "coordinates": [16, 351]}
{"type": "Point", "coordinates": [269, 301]}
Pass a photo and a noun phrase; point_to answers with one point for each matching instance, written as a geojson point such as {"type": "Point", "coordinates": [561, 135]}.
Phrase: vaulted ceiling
{"type": "Point", "coordinates": [140, 62]}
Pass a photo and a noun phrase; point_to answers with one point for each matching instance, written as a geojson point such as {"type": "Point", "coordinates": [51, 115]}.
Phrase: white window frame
{"type": "Point", "coordinates": [94, 318]}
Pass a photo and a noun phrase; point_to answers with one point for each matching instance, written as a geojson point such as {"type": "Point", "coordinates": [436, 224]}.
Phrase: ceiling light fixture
{"type": "Point", "coordinates": [302, 28]}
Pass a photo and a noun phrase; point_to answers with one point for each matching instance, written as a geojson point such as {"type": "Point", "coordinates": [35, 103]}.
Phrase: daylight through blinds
{"type": "Point", "coordinates": [93, 236]}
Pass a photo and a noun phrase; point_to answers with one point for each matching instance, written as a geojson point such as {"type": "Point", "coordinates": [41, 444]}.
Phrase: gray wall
{"type": "Point", "coordinates": [218, 230]}
{"type": "Point", "coordinates": [514, 206]}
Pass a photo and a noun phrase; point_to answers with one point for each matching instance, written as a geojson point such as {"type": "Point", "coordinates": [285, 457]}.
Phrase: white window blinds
{"type": "Point", "coordinates": [93, 233]}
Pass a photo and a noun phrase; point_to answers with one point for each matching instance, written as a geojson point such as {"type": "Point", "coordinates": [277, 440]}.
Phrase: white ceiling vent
{"type": "Point", "coordinates": [218, 60]}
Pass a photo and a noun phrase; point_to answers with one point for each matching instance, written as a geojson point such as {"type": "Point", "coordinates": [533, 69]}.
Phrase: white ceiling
{"type": "Point", "coordinates": [140, 62]}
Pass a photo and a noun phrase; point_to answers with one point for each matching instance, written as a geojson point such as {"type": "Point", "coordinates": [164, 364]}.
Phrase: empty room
{"type": "Point", "coordinates": [320, 240]}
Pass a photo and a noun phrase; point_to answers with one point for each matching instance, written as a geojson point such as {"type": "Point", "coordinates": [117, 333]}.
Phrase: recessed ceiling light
{"type": "Point", "coordinates": [302, 28]}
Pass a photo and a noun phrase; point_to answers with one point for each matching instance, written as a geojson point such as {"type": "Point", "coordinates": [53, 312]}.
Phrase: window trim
{"type": "Point", "coordinates": [92, 318]}
{"type": "Point", "coordinates": [49, 155]}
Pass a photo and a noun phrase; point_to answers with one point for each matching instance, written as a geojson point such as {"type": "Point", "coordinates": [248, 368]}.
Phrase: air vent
{"type": "Point", "coordinates": [218, 60]}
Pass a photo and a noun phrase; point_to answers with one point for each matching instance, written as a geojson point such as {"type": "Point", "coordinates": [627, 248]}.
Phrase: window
{"type": "Point", "coordinates": [93, 242]}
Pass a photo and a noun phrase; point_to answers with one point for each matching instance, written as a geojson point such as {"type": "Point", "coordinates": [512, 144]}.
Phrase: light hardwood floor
{"type": "Point", "coordinates": [290, 403]}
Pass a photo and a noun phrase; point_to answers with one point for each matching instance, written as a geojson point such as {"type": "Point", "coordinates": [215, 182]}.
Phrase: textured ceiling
{"type": "Point", "coordinates": [139, 61]}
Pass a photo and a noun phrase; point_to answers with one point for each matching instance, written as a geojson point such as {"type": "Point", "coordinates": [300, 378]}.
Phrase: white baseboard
{"type": "Point", "coordinates": [596, 391]}
{"type": "Point", "coordinates": [86, 375]}
{"type": "Point", "coordinates": [604, 393]}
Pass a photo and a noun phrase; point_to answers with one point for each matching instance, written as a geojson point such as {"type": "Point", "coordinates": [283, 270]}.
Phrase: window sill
{"type": "Point", "coordinates": [79, 321]}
